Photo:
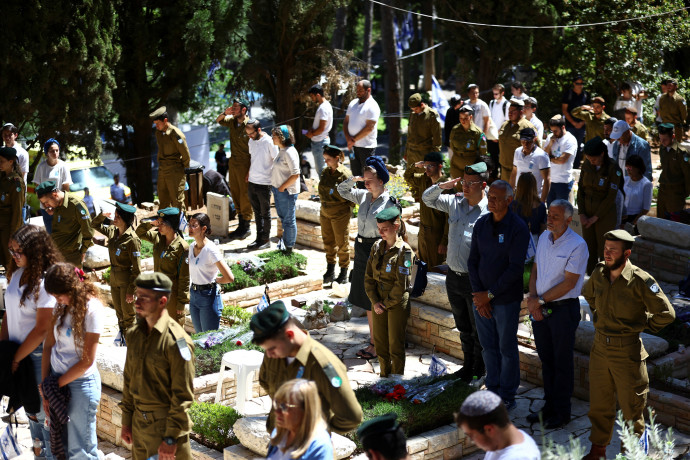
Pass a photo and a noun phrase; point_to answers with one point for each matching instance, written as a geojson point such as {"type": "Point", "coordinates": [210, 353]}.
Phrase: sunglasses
{"type": "Point", "coordinates": [283, 407]}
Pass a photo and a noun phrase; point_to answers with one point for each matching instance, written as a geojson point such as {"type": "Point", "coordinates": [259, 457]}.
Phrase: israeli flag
{"type": "Point", "coordinates": [262, 304]}
{"type": "Point", "coordinates": [438, 101]}
{"type": "Point", "coordinates": [436, 367]}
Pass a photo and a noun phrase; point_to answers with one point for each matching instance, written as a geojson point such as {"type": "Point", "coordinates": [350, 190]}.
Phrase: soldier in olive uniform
{"type": "Point", "coordinates": [593, 116]}
{"type": "Point", "coordinates": [433, 223]}
{"type": "Point", "coordinates": [335, 214]}
{"type": "Point", "coordinates": [423, 134]}
{"type": "Point", "coordinates": [600, 180]}
{"type": "Point", "coordinates": [672, 108]}
{"type": "Point", "coordinates": [292, 354]}
{"type": "Point", "coordinates": [173, 159]}
{"type": "Point", "coordinates": [674, 181]}
{"type": "Point", "coordinates": [636, 125]}
{"type": "Point", "coordinates": [387, 283]}
{"type": "Point", "coordinates": [12, 193]}
{"type": "Point", "coordinates": [158, 378]}
{"type": "Point", "coordinates": [625, 300]}
{"type": "Point", "coordinates": [467, 143]}
{"type": "Point", "coordinates": [170, 257]}
{"type": "Point", "coordinates": [72, 232]}
{"type": "Point", "coordinates": [509, 137]}
{"type": "Point", "coordinates": [235, 119]}
{"type": "Point", "coordinates": [124, 248]}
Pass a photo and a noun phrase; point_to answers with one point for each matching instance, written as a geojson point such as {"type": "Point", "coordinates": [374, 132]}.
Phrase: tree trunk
{"type": "Point", "coordinates": [338, 40]}
{"type": "Point", "coordinates": [366, 46]}
{"type": "Point", "coordinates": [427, 41]}
{"type": "Point", "coordinates": [392, 84]}
{"type": "Point", "coordinates": [137, 158]}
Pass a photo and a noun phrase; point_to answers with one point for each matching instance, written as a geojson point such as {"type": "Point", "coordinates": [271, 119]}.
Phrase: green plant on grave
{"type": "Point", "coordinates": [327, 306]}
{"type": "Point", "coordinates": [242, 280]}
{"type": "Point", "coordinates": [214, 422]}
{"type": "Point", "coordinates": [146, 249]}
{"type": "Point", "coordinates": [397, 187]}
{"type": "Point", "coordinates": [405, 204]}
{"type": "Point", "coordinates": [239, 314]}
{"type": "Point", "coordinates": [207, 360]}
{"type": "Point", "coordinates": [106, 275]}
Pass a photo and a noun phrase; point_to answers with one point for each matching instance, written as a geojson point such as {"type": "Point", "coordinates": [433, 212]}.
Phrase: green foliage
{"type": "Point", "coordinates": [58, 69]}
{"type": "Point", "coordinates": [242, 280]}
{"type": "Point", "coordinates": [106, 275]}
{"type": "Point", "coordinates": [214, 423]}
{"type": "Point", "coordinates": [207, 360]}
{"type": "Point", "coordinates": [146, 249]}
{"type": "Point", "coordinates": [397, 187]}
{"type": "Point", "coordinates": [278, 266]}
{"type": "Point", "coordinates": [237, 313]}
{"type": "Point", "coordinates": [355, 210]}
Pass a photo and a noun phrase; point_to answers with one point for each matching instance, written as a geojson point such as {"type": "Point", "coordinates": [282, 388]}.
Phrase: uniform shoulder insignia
{"type": "Point", "coordinates": [185, 352]}
{"type": "Point", "coordinates": [652, 285]}
{"type": "Point", "coordinates": [333, 376]}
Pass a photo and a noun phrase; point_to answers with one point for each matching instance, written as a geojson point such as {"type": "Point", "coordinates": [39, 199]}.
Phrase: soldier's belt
{"type": "Point", "coordinates": [154, 413]}
{"type": "Point", "coordinates": [617, 340]}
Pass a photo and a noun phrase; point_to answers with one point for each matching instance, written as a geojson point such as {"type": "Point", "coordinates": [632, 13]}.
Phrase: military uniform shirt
{"type": "Point", "coordinates": [328, 189]}
{"type": "Point", "coordinates": [387, 279]}
{"type": "Point", "coordinates": [159, 374]}
{"type": "Point", "coordinates": [467, 144]}
{"type": "Point", "coordinates": [593, 126]}
{"type": "Point", "coordinates": [171, 260]}
{"type": "Point", "coordinates": [428, 216]}
{"type": "Point", "coordinates": [632, 303]}
{"type": "Point", "coordinates": [509, 140]}
{"type": "Point", "coordinates": [317, 363]}
{"type": "Point", "coordinates": [672, 109]}
{"type": "Point", "coordinates": [366, 216]}
{"type": "Point", "coordinates": [597, 189]}
{"type": "Point", "coordinates": [12, 194]}
{"type": "Point", "coordinates": [424, 132]}
{"type": "Point", "coordinates": [173, 152]}
{"type": "Point", "coordinates": [239, 141]}
{"type": "Point", "coordinates": [639, 129]}
{"type": "Point", "coordinates": [124, 251]}
{"type": "Point", "coordinates": [675, 167]}
{"type": "Point", "coordinates": [461, 220]}
{"type": "Point", "coordinates": [72, 230]}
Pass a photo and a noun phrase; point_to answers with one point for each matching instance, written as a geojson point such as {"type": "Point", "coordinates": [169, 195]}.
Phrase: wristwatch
{"type": "Point", "coordinates": [541, 300]}
{"type": "Point", "coordinates": [169, 440]}
{"type": "Point", "coordinates": [490, 295]}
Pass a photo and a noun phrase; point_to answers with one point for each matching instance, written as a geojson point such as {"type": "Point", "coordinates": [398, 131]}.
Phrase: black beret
{"type": "Point", "coordinates": [379, 425]}
{"type": "Point", "coordinates": [434, 157]}
{"type": "Point", "coordinates": [8, 153]}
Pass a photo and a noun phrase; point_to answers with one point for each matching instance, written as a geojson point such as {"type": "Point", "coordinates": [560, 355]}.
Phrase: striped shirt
{"type": "Point", "coordinates": [567, 254]}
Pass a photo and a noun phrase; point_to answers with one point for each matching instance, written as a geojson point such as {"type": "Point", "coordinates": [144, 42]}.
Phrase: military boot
{"type": "Point", "coordinates": [330, 273]}
{"type": "Point", "coordinates": [342, 277]}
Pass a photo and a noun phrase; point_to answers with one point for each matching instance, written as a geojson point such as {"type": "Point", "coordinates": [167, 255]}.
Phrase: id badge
{"type": "Point", "coordinates": [601, 182]}
{"type": "Point", "coordinates": [388, 268]}
{"type": "Point", "coordinates": [117, 253]}
{"type": "Point", "coordinates": [331, 192]}
{"type": "Point", "coordinates": [501, 238]}
{"type": "Point", "coordinates": [162, 254]}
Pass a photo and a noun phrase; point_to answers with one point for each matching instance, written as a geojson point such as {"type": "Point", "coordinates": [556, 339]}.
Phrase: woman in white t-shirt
{"type": "Point", "coordinates": [29, 311]}
{"type": "Point", "coordinates": [53, 169]}
{"type": "Point", "coordinates": [70, 355]}
{"type": "Point", "coordinates": [205, 260]}
{"type": "Point", "coordinates": [637, 188]}
{"type": "Point", "coordinates": [285, 183]}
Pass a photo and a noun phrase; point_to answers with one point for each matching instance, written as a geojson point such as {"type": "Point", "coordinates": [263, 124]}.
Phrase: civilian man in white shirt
{"type": "Point", "coordinates": [360, 126]}
{"type": "Point", "coordinates": [117, 190]}
{"type": "Point", "coordinates": [531, 116]}
{"type": "Point", "coordinates": [554, 286]}
{"type": "Point", "coordinates": [530, 159]}
{"type": "Point", "coordinates": [262, 152]}
{"type": "Point", "coordinates": [561, 146]}
{"type": "Point", "coordinates": [481, 110]}
{"type": "Point", "coordinates": [9, 136]}
{"type": "Point", "coordinates": [498, 108]}
{"type": "Point", "coordinates": [323, 122]}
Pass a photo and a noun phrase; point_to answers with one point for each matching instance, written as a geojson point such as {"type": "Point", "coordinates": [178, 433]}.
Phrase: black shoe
{"type": "Point", "coordinates": [287, 251]}
{"type": "Point", "coordinates": [264, 245]}
{"type": "Point", "coordinates": [242, 231]}
{"type": "Point", "coordinates": [534, 417]}
{"type": "Point", "coordinates": [556, 421]}
{"type": "Point", "coordinates": [465, 374]}
{"type": "Point", "coordinates": [342, 277]}
{"type": "Point", "coordinates": [330, 273]}
{"type": "Point", "coordinates": [256, 245]}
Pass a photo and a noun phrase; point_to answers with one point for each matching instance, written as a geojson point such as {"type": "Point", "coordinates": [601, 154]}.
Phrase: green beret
{"type": "Point", "coordinates": [126, 208]}
{"type": "Point", "coordinates": [159, 112]}
{"type": "Point", "coordinates": [242, 102]}
{"type": "Point", "coordinates": [595, 147]}
{"type": "Point", "coordinates": [666, 128]}
{"type": "Point", "coordinates": [619, 235]}
{"type": "Point", "coordinates": [477, 168]}
{"type": "Point", "coordinates": [155, 281]}
{"type": "Point", "coordinates": [268, 321]}
{"type": "Point", "coordinates": [434, 157]}
{"type": "Point", "coordinates": [333, 149]}
{"type": "Point", "coordinates": [168, 212]}
{"type": "Point", "coordinates": [8, 153]}
{"type": "Point", "coordinates": [379, 425]}
{"type": "Point", "coordinates": [170, 216]}
{"type": "Point", "coordinates": [45, 188]}
{"type": "Point", "coordinates": [415, 100]}
{"type": "Point", "coordinates": [388, 214]}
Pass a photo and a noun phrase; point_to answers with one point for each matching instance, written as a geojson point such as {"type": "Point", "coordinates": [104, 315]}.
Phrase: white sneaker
{"type": "Point", "coordinates": [19, 417]}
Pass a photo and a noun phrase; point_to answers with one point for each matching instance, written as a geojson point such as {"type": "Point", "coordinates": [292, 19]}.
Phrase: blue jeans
{"type": "Point", "coordinates": [559, 191]}
{"type": "Point", "coordinates": [81, 428]}
{"type": "Point", "coordinates": [205, 307]}
{"type": "Point", "coordinates": [47, 221]}
{"type": "Point", "coordinates": [317, 151]}
{"type": "Point", "coordinates": [285, 207]}
{"type": "Point", "coordinates": [37, 428]}
{"type": "Point", "coordinates": [498, 336]}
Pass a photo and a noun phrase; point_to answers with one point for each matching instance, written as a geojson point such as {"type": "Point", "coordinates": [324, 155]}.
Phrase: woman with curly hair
{"type": "Point", "coordinates": [285, 183]}
{"type": "Point", "coordinates": [29, 309]}
{"type": "Point", "coordinates": [70, 358]}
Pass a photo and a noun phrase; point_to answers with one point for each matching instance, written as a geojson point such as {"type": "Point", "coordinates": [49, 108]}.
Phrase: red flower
{"type": "Point", "coordinates": [238, 343]}
{"type": "Point", "coordinates": [397, 394]}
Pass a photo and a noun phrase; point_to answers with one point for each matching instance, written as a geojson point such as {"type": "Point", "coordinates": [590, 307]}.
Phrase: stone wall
{"type": "Point", "coordinates": [250, 297]}
{"type": "Point", "coordinates": [443, 443]}
{"type": "Point", "coordinates": [662, 249]}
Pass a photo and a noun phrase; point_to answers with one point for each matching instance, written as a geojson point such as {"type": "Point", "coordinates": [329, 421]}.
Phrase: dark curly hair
{"type": "Point", "coordinates": [66, 279]}
{"type": "Point", "coordinates": [39, 249]}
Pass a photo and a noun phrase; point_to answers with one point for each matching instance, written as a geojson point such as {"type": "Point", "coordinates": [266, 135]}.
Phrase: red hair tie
{"type": "Point", "coordinates": [80, 273]}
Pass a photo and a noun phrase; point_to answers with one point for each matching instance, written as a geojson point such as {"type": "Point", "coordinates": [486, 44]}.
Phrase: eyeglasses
{"type": "Point", "coordinates": [16, 254]}
{"type": "Point", "coordinates": [283, 407]}
{"type": "Point", "coordinates": [470, 183]}
{"type": "Point", "coordinates": [579, 83]}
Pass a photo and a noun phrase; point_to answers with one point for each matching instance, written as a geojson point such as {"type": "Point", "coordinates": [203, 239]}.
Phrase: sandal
{"type": "Point", "coordinates": [364, 350]}
{"type": "Point", "coordinates": [366, 355]}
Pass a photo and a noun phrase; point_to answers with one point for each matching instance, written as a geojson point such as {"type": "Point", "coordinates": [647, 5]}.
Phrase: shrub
{"type": "Point", "coordinates": [106, 275]}
{"type": "Point", "coordinates": [146, 249]}
{"type": "Point", "coordinates": [242, 279]}
{"type": "Point", "coordinates": [397, 187]}
{"type": "Point", "coordinates": [213, 422]}
{"type": "Point", "coordinates": [239, 314]}
{"type": "Point", "coordinates": [278, 266]}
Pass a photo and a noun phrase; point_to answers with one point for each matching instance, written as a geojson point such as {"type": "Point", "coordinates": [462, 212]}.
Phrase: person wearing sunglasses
{"type": "Point", "coordinates": [300, 431]}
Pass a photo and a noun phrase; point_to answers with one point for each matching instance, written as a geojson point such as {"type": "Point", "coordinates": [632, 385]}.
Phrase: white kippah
{"type": "Point", "coordinates": [480, 403]}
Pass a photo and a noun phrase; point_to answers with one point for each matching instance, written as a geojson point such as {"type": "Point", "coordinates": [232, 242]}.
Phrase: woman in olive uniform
{"type": "Point", "coordinates": [335, 214]}
{"type": "Point", "coordinates": [12, 192]}
{"type": "Point", "coordinates": [170, 257]}
{"type": "Point", "coordinates": [387, 283]}
{"type": "Point", "coordinates": [124, 248]}
{"type": "Point", "coordinates": [600, 180]}
{"type": "Point", "coordinates": [371, 201]}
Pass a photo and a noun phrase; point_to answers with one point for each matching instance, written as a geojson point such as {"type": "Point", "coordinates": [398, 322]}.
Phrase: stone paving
{"type": "Point", "coordinates": [346, 338]}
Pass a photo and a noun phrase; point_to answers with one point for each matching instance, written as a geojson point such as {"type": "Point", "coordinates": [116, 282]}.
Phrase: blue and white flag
{"type": "Point", "coordinates": [438, 101]}
{"type": "Point", "coordinates": [262, 304]}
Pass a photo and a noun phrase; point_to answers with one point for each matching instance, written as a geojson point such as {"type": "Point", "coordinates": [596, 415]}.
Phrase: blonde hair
{"type": "Point", "coordinates": [304, 394]}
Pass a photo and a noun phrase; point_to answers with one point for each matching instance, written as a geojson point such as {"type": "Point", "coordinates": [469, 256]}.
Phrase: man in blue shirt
{"type": "Point", "coordinates": [496, 265]}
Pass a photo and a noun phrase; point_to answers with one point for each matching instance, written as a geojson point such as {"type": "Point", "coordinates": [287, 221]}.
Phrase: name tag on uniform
{"type": "Point", "coordinates": [300, 372]}
{"type": "Point", "coordinates": [468, 234]}
{"type": "Point", "coordinates": [59, 219]}
{"type": "Point", "coordinates": [404, 270]}
{"type": "Point", "coordinates": [469, 145]}
{"type": "Point", "coordinates": [117, 253]}
{"type": "Point", "coordinates": [2, 198]}
{"type": "Point", "coordinates": [184, 349]}
{"type": "Point", "coordinates": [136, 254]}
{"type": "Point", "coordinates": [388, 268]}
{"type": "Point", "coordinates": [162, 254]}
{"type": "Point", "coordinates": [601, 182]}
{"type": "Point", "coordinates": [331, 192]}
{"type": "Point", "coordinates": [501, 238]}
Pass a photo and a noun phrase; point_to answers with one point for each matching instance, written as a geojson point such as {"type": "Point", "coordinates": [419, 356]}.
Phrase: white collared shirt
{"type": "Point", "coordinates": [567, 254]}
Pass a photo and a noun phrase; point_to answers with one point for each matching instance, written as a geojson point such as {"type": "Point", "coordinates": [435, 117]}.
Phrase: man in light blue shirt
{"type": "Point", "coordinates": [555, 284]}
{"type": "Point", "coordinates": [463, 212]}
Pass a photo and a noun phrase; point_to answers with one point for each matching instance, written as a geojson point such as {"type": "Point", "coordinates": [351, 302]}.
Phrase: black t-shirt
{"type": "Point", "coordinates": [452, 119]}
{"type": "Point", "coordinates": [575, 100]}
{"type": "Point", "coordinates": [221, 158]}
